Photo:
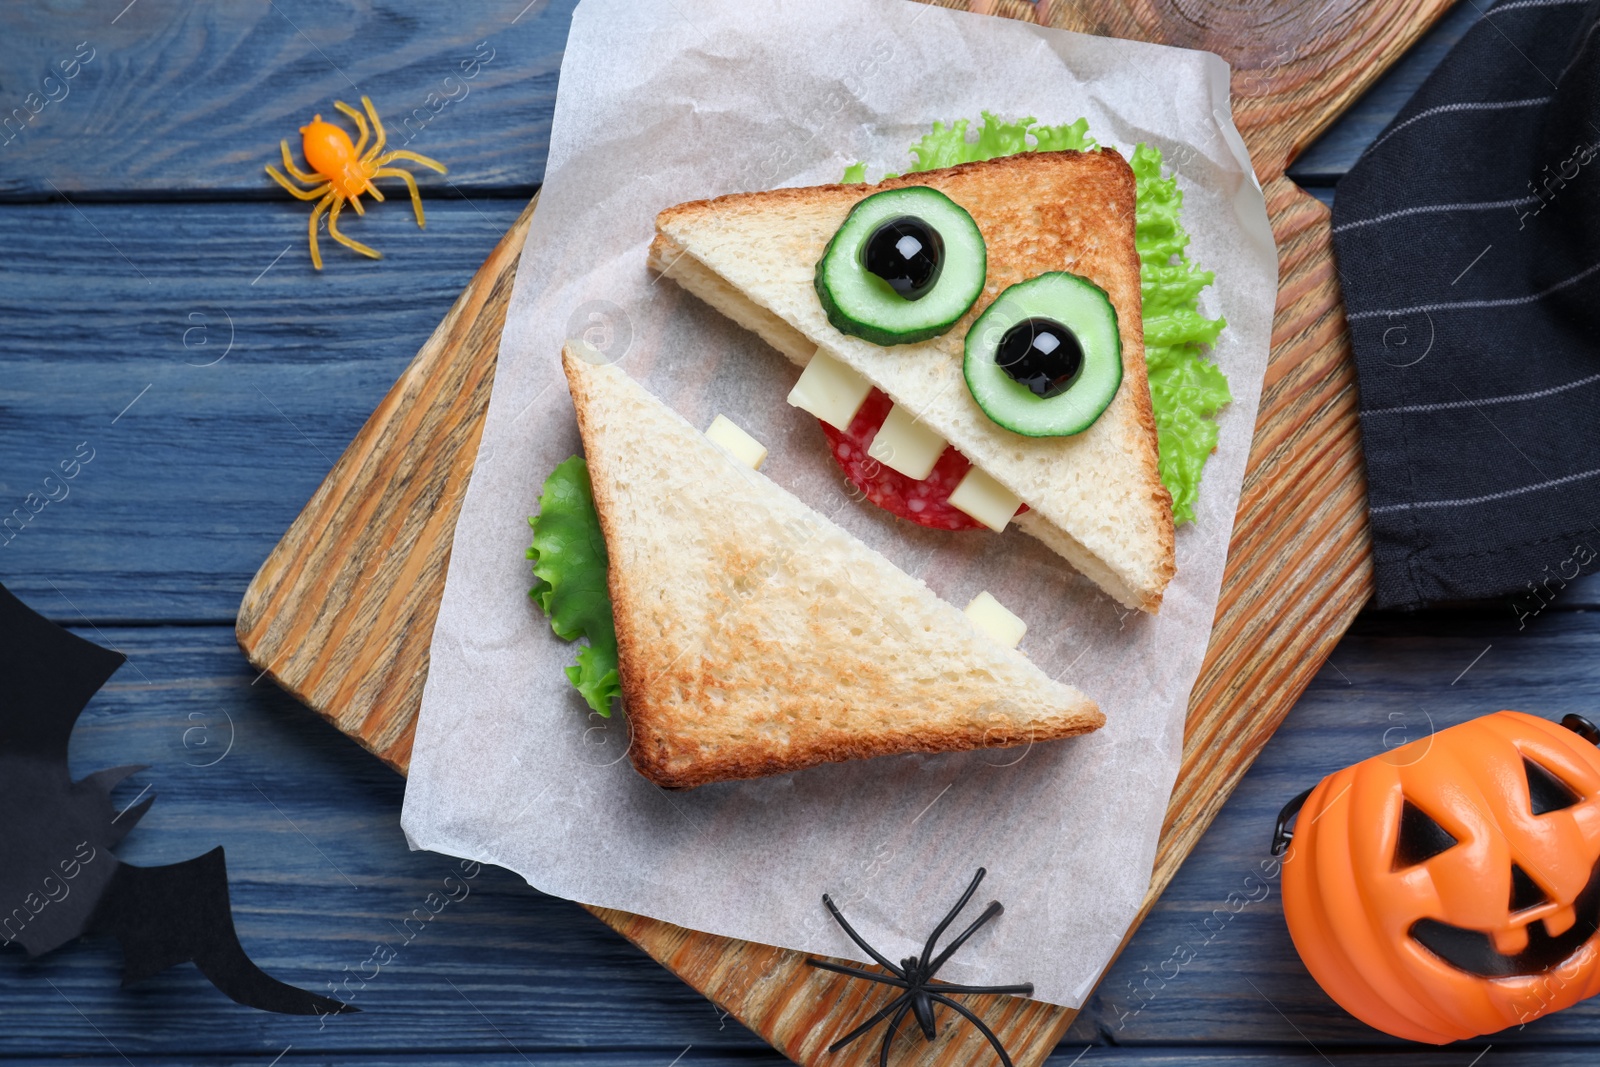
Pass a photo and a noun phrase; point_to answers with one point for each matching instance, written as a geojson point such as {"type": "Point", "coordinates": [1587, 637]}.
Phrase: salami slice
{"type": "Point", "coordinates": [926, 503]}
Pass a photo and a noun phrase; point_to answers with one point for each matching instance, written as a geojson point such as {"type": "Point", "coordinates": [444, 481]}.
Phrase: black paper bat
{"type": "Point", "coordinates": [58, 876]}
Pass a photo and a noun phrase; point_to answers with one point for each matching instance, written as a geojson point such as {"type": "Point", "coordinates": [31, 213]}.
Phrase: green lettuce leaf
{"type": "Point", "coordinates": [569, 568]}
{"type": "Point", "coordinates": [1186, 389]}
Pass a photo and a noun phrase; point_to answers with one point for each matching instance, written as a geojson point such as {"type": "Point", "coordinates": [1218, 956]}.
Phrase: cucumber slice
{"type": "Point", "coordinates": [1045, 359]}
{"type": "Point", "coordinates": [862, 304]}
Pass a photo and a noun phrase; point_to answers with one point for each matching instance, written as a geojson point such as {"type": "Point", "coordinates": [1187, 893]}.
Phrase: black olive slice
{"type": "Point", "coordinates": [907, 253]}
{"type": "Point", "coordinates": [1041, 354]}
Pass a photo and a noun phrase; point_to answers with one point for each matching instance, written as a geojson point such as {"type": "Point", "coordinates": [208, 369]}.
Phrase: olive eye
{"type": "Point", "coordinates": [1546, 792]}
{"type": "Point", "coordinates": [904, 267]}
{"type": "Point", "coordinates": [1421, 838]}
{"type": "Point", "coordinates": [907, 254]}
{"type": "Point", "coordinates": [1045, 359]}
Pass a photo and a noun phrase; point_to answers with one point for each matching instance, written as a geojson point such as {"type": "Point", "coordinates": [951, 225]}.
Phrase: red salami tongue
{"type": "Point", "coordinates": [926, 503]}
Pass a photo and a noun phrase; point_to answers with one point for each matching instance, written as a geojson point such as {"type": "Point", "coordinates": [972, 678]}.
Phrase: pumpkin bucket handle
{"type": "Point", "coordinates": [1582, 727]}
{"type": "Point", "coordinates": [1282, 834]}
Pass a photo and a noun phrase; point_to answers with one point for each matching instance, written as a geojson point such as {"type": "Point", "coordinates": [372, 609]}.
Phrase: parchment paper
{"type": "Point", "coordinates": [665, 102]}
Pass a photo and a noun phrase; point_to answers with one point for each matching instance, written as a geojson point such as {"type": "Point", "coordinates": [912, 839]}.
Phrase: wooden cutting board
{"type": "Point", "coordinates": [342, 611]}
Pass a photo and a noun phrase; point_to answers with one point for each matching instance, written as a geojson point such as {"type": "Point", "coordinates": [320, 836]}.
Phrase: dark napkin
{"type": "Point", "coordinates": [1468, 243]}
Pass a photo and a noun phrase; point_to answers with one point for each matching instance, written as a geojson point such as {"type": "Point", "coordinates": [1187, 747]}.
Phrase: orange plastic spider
{"type": "Point", "coordinates": [343, 172]}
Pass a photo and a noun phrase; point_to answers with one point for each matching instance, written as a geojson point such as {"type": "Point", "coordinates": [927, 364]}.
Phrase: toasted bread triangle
{"type": "Point", "coordinates": [756, 637]}
{"type": "Point", "coordinates": [1096, 498]}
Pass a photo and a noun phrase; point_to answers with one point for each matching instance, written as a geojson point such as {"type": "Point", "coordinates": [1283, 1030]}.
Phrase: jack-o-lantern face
{"type": "Point", "coordinates": [1451, 888]}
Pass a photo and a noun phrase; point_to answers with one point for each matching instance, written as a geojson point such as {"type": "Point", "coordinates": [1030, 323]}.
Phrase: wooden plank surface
{"type": "Point", "coordinates": [1551, 1057]}
{"type": "Point", "coordinates": [191, 485]}
{"type": "Point", "coordinates": [1394, 679]}
{"type": "Point", "coordinates": [1299, 566]}
{"type": "Point", "coordinates": [322, 348]}
{"type": "Point", "coordinates": [319, 877]}
{"type": "Point", "coordinates": [1244, 1057]}
{"type": "Point", "coordinates": [556, 983]}
{"type": "Point", "coordinates": [198, 488]}
{"type": "Point", "coordinates": [1323, 162]}
{"type": "Point", "coordinates": [178, 97]}
{"type": "Point", "coordinates": [269, 66]}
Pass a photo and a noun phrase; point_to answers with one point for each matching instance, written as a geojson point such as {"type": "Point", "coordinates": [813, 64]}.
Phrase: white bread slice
{"type": "Point", "coordinates": [1095, 498]}
{"type": "Point", "coordinates": [756, 637]}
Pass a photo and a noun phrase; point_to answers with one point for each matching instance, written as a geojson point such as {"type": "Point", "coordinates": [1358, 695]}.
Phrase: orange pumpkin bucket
{"type": "Point", "coordinates": [1451, 887]}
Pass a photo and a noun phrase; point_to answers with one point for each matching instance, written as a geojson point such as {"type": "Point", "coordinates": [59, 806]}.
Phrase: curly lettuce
{"type": "Point", "coordinates": [1186, 389]}
{"type": "Point", "coordinates": [569, 568]}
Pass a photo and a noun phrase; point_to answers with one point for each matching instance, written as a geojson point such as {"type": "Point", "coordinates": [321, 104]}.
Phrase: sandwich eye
{"type": "Point", "coordinates": [1042, 354]}
{"type": "Point", "coordinates": [1421, 838]}
{"type": "Point", "coordinates": [1546, 792]}
{"type": "Point", "coordinates": [1045, 359]}
{"type": "Point", "coordinates": [904, 267]}
{"type": "Point", "coordinates": [907, 254]}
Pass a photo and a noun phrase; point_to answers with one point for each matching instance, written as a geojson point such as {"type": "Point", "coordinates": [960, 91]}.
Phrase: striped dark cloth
{"type": "Point", "coordinates": [1468, 243]}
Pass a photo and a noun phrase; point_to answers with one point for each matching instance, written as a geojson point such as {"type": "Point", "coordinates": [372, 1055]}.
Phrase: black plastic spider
{"type": "Point", "coordinates": [914, 977]}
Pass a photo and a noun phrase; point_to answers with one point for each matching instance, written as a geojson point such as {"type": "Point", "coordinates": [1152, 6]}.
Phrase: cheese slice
{"type": "Point", "coordinates": [830, 390]}
{"type": "Point", "coordinates": [992, 617]}
{"type": "Point", "coordinates": [903, 444]}
{"type": "Point", "coordinates": [985, 499]}
{"type": "Point", "coordinates": [740, 445]}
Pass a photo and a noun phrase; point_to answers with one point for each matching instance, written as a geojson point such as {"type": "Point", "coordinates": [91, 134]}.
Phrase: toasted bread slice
{"type": "Point", "coordinates": [1096, 498]}
{"type": "Point", "coordinates": [756, 637]}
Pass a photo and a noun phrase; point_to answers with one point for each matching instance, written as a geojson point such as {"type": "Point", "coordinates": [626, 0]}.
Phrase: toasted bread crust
{"type": "Point", "coordinates": [1092, 228]}
{"type": "Point", "coordinates": [673, 770]}
{"type": "Point", "coordinates": [718, 685]}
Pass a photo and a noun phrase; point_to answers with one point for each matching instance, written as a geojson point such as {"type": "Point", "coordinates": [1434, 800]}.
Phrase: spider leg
{"type": "Point", "coordinates": [401, 153]}
{"type": "Point", "coordinates": [944, 924]}
{"type": "Point", "coordinates": [294, 171]}
{"type": "Point", "coordinates": [377, 125]}
{"type": "Point", "coordinates": [361, 123]}
{"type": "Point", "coordinates": [355, 202]}
{"type": "Point", "coordinates": [898, 1007]}
{"type": "Point", "coordinates": [890, 1034]}
{"type": "Point", "coordinates": [975, 1021]}
{"type": "Point", "coordinates": [990, 912]}
{"type": "Point", "coordinates": [353, 245]}
{"type": "Point", "coordinates": [294, 190]}
{"type": "Point", "coordinates": [878, 957]}
{"type": "Point", "coordinates": [322, 205]}
{"type": "Point", "coordinates": [922, 1012]}
{"type": "Point", "coordinates": [1023, 989]}
{"type": "Point", "coordinates": [411, 184]}
{"type": "Point", "coordinates": [857, 972]}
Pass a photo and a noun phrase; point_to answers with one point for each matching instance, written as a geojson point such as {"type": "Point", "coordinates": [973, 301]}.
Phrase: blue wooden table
{"type": "Point", "coordinates": [159, 321]}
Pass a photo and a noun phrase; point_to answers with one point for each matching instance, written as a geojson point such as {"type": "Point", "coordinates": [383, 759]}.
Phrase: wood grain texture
{"type": "Point", "coordinates": [1219, 1057]}
{"type": "Point", "coordinates": [562, 987]}
{"type": "Point", "coordinates": [215, 86]}
{"type": "Point", "coordinates": [1299, 568]}
{"type": "Point", "coordinates": [1336, 150]}
{"type": "Point", "coordinates": [319, 876]}
{"type": "Point", "coordinates": [176, 96]}
{"type": "Point", "coordinates": [247, 374]}
{"type": "Point", "coordinates": [375, 538]}
{"type": "Point", "coordinates": [1393, 679]}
